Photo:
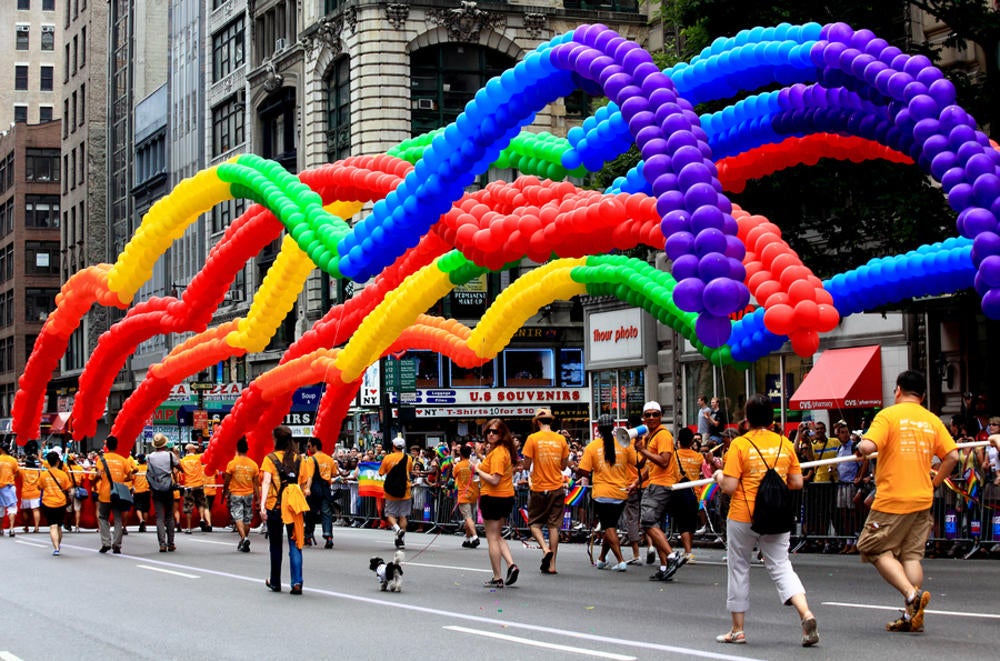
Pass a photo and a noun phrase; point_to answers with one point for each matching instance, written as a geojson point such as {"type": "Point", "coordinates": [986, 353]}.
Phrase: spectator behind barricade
{"type": "Point", "coordinates": [849, 475]}
{"type": "Point", "coordinates": [31, 494]}
{"type": "Point", "coordinates": [752, 455]}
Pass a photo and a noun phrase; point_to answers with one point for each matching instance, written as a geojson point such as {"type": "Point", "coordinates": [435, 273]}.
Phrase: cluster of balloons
{"type": "Point", "coordinates": [736, 290]}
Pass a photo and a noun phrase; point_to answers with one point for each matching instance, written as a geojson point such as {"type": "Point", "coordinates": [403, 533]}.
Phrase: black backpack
{"type": "Point", "coordinates": [320, 488]}
{"type": "Point", "coordinates": [773, 509]}
{"type": "Point", "coordinates": [285, 476]}
{"type": "Point", "coordinates": [395, 479]}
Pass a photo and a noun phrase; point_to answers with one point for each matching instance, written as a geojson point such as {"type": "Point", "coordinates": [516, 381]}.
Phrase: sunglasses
{"type": "Point", "coordinates": [651, 415]}
{"type": "Point", "coordinates": [493, 431]}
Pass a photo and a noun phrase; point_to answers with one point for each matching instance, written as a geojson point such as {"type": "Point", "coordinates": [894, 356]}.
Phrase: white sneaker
{"type": "Point", "coordinates": [690, 559]}
{"type": "Point", "coordinates": [603, 564]}
{"type": "Point", "coordinates": [701, 531]}
{"type": "Point", "coordinates": [621, 566]}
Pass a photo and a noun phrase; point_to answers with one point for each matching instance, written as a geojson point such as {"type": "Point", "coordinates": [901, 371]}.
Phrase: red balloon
{"type": "Point", "coordinates": [800, 291]}
{"type": "Point", "coordinates": [793, 274]}
{"type": "Point", "coordinates": [764, 291]}
{"type": "Point", "coordinates": [805, 343]}
{"type": "Point", "coordinates": [828, 317]}
{"type": "Point", "coordinates": [757, 279]}
{"type": "Point", "coordinates": [770, 251]}
{"type": "Point", "coordinates": [783, 262]}
{"type": "Point", "coordinates": [779, 319]}
{"type": "Point", "coordinates": [806, 314]}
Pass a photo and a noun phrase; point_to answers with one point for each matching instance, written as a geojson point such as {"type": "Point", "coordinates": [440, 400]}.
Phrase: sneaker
{"type": "Point", "coordinates": [635, 561]}
{"type": "Point", "coordinates": [188, 531]}
{"type": "Point", "coordinates": [11, 534]}
{"type": "Point", "coordinates": [899, 625]}
{"type": "Point", "coordinates": [676, 561]}
{"type": "Point", "coordinates": [732, 637]}
{"type": "Point", "coordinates": [701, 531]}
{"type": "Point", "coordinates": [55, 552]}
{"type": "Point", "coordinates": [690, 559]}
{"type": "Point", "coordinates": [512, 573]}
{"type": "Point", "coordinates": [163, 548]}
{"type": "Point", "coordinates": [467, 544]}
{"type": "Point", "coordinates": [602, 564]}
{"type": "Point", "coordinates": [246, 545]}
{"type": "Point", "coordinates": [171, 548]}
{"type": "Point", "coordinates": [621, 566]}
{"type": "Point", "coordinates": [809, 635]}
{"type": "Point", "coordinates": [117, 550]}
{"type": "Point", "coordinates": [475, 542]}
{"type": "Point", "coordinates": [399, 542]}
{"type": "Point", "coordinates": [296, 589]}
{"type": "Point", "coordinates": [104, 549]}
{"type": "Point", "coordinates": [142, 527]}
{"type": "Point", "coordinates": [329, 543]}
{"type": "Point", "coordinates": [494, 583]}
{"type": "Point", "coordinates": [915, 610]}
{"type": "Point", "coordinates": [660, 575]}
{"type": "Point", "coordinates": [650, 556]}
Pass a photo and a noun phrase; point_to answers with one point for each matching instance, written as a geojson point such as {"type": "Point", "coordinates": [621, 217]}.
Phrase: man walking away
{"type": "Point", "coordinates": [161, 472]}
{"type": "Point", "coordinates": [546, 455]}
{"type": "Point", "coordinates": [242, 489]}
{"type": "Point", "coordinates": [906, 437]}
{"type": "Point", "coordinates": [112, 467]}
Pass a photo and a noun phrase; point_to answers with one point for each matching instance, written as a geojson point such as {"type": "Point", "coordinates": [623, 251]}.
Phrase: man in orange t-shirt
{"type": "Point", "coordinates": [546, 455]}
{"type": "Point", "coordinates": [140, 491]}
{"type": "Point", "coordinates": [193, 476]}
{"type": "Point", "coordinates": [906, 436]}
{"type": "Point", "coordinates": [398, 507]}
{"type": "Point", "coordinates": [8, 492]}
{"type": "Point", "coordinates": [241, 486]}
{"type": "Point", "coordinates": [120, 470]}
{"type": "Point", "coordinates": [468, 494]}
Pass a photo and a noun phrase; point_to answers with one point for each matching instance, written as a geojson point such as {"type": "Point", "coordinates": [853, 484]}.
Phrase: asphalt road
{"type": "Point", "coordinates": [209, 602]}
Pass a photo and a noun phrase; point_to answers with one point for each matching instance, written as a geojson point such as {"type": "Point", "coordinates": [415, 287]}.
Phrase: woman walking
{"type": "Point", "coordinates": [496, 478]}
{"type": "Point", "coordinates": [284, 488]}
{"type": "Point", "coordinates": [55, 488]}
{"type": "Point", "coordinates": [749, 457]}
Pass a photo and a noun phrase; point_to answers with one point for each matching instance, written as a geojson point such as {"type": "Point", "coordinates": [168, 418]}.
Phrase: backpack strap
{"type": "Point", "coordinates": [65, 499]}
{"type": "Point", "coordinates": [750, 441]}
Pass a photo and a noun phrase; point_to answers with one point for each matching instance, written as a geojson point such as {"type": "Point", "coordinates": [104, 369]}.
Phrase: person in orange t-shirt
{"type": "Point", "coordinates": [398, 507]}
{"type": "Point", "coordinates": [656, 451]}
{"type": "Point", "coordinates": [193, 481]}
{"type": "Point", "coordinates": [906, 436]}
{"type": "Point", "coordinates": [684, 503]}
{"type": "Point", "coordinates": [285, 460]}
{"type": "Point", "coordinates": [467, 491]}
{"type": "Point", "coordinates": [546, 455]}
{"type": "Point", "coordinates": [241, 488]}
{"type": "Point", "coordinates": [30, 493]}
{"type": "Point", "coordinates": [496, 479]}
{"type": "Point", "coordinates": [55, 487]}
{"type": "Point", "coordinates": [120, 470]}
{"type": "Point", "coordinates": [140, 491]}
{"type": "Point", "coordinates": [748, 459]}
{"type": "Point", "coordinates": [8, 491]}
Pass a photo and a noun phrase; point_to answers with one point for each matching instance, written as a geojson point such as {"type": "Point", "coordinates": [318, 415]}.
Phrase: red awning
{"type": "Point", "coordinates": [842, 379]}
{"type": "Point", "coordinates": [60, 422]}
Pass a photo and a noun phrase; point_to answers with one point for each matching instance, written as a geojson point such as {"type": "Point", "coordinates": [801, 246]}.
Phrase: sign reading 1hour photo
{"type": "Point", "coordinates": [615, 335]}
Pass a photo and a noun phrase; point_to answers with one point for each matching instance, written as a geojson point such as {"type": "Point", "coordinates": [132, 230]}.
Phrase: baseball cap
{"type": "Point", "coordinates": [399, 442]}
{"type": "Point", "coordinates": [652, 406]}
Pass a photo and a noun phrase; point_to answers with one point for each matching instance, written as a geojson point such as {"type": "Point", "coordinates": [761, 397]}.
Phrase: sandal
{"type": "Point", "coordinates": [733, 637]}
{"type": "Point", "coordinates": [494, 583]}
{"type": "Point", "coordinates": [546, 561]}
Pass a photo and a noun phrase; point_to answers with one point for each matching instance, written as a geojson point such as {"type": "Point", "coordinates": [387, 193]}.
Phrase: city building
{"type": "Point", "coordinates": [32, 36]}
{"type": "Point", "coordinates": [30, 180]}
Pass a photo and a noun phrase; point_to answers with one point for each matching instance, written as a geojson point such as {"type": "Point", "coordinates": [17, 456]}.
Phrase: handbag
{"type": "Point", "coordinates": [80, 493]}
{"type": "Point", "coordinates": [121, 496]}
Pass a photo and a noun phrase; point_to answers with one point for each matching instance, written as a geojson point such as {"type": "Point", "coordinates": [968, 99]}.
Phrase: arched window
{"type": "Point", "coordinates": [338, 110]}
{"type": "Point", "coordinates": [445, 77]}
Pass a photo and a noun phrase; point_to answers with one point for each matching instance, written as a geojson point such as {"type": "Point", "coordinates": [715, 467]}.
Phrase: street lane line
{"type": "Point", "coordinates": [7, 656]}
{"type": "Point", "coordinates": [37, 545]}
{"type": "Point", "coordinates": [450, 567]}
{"type": "Point", "coordinates": [204, 541]}
{"type": "Point", "coordinates": [167, 571]}
{"type": "Point", "coordinates": [990, 616]}
{"type": "Point", "coordinates": [538, 643]}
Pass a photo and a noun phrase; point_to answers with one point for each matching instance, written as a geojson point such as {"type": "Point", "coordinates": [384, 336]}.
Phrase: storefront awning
{"type": "Point", "coordinates": [842, 379]}
{"type": "Point", "coordinates": [60, 422]}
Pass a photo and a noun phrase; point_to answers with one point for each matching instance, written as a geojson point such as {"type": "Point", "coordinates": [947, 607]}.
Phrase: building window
{"type": "Point", "coordinates": [227, 124]}
{"type": "Point", "coordinates": [48, 37]}
{"type": "Point", "coordinates": [571, 373]}
{"type": "Point", "coordinates": [83, 45]}
{"type": "Point", "coordinates": [39, 302]}
{"type": "Point", "coordinates": [277, 124]}
{"type": "Point", "coordinates": [41, 257]}
{"type": "Point", "coordinates": [445, 77]}
{"type": "Point", "coordinates": [21, 77]}
{"type": "Point", "coordinates": [45, 83]}
{"type": "Point", "coordinates": [23, 39]}
{"type": "Point", "coordinates": [24, 4]}
{"type": "Point", "coordinates": [48, 5]}
{"type": "Point", "coordinates": [224, 213]}
{"type": "Point", "coordinates": [5, 163]}
{"type": "Point", "coordinates": [44, 114]}
{"type": "Point", "coordinates": [8, 271]}
{"type": "Point", "coordinates": [481, 376]}
{"type": "Point", "coordinates": [83, 103]}
{"type": "Point", "coordinates": [41, 164]}
{"type": "Point", "coordinates": [227, 50]}
{"type": "Point", "coordinates": [20, 112]}
{"type": "Point", "coordinates": [41, 211]}
{"type": "Point", "coordinates": [338, 110]}
{"type": "Point", "coordinates": [150, 158]}
{"type": "Point", "coordinates": [529, 367]}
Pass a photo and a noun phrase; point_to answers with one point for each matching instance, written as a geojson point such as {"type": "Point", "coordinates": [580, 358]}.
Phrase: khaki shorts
{"type": "Point", "coordinates": [467, 510]}
{"type": "Point", "coordinates": [545, 508]}
{"type": "Point", "coordinates": [902, 535]}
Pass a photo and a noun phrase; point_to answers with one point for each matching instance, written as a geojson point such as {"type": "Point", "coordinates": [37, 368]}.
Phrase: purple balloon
{"type": "Point", "coordinates": [986, 188]}
{"type": "Point", "coordinates": [876, 46]}
{"type": "Point", "coordinates": [680, 139]}
{"type": "Point", "coordinates": [647, 69]}
{"type": "Point", "coordinates": [899, 62]}
{"type": "Point", "coordinates": [699, 195]}
{"type": "Point", "coordinates": [922, 106]}
{"type": "Point", "coordinates": [713, 331]}
{"type": "Point", "coordinates": [641, 120]}
{"type": "Point", "coordinates": [686, 155]}
{"type": "Point", "coordinates": [968, 150]}
{"type": "Point", "coordinates": [693, 173]}
{"type": "Point", "coordinates": [952, 116]}
{"type": "Point", "coordinates": [960, 197]}
{"type": "Point", "coordinates": [687, 294]}
{"type": "Point", "coordinates": [709, 240]}
{"type": "Point", "coordinates": [918, 63]}
{"type": "Point", "coordinates": [872, 70]}
{"type": "Point", "coordinates": [860, 63]}
{"type": "Point", "coordinates": [897, 83]}
{"type": "Point", "coordinates": [633, 105]}
{"type": "Point", "coordinates": [861, 38]}
{"type": "Point", "coordinates": [721, 296]}
{"type": "Point", "coordinates": [676, 221]}
{"type": "Point", "coordinates": [673, 123]}
{"type": "Point", "coordinates": [713, 265]}
{"type": "Point", "coordinates": [669, 201]}
{"type": "Point", "coordinates": [623, 49]}
{"type": "Point", "coordinates": [635, 58]}
{"type": "Point", "coordinates": [991, 304]}
{"type": "Point", "coordinates": [652, 146]}
{"type": "Point", "coordinates": [943, 161]}
{"type": "Point", "coordinates": [647, 134]}
{"type": "Point", "coordinates": [604, 38]}
{"type": "Point", "coordinates": [882, 80]}
{"type": "Point", "coordinates": [925, 128]}
{"type": "Point", "coordinates": [729, 225]}
{"type": "Point", "coordinates": [663, 96]}
{"type": "Point", "coordinates": [679, 244]}
{"type": "Point", "coordinates": [707, 216]}
{"type": "Point", "coordinates": [737, 271]}
{"type": "Point", "coordinates": [655, 166]}
{"type": "Point", "coordinates": [685, 267]}
{"type": "Point", "coordinates": [960, 135]}
{"type": "Point", "coordinates": [615, 84]}
{"type": "Point", "coordinates": [665, 183]}
{"type": "Point", "coordinates": [984, 245]}
{"type": "Point", "coordinates": [889, 54]}
{"type": "Point", "coordinates": [975, 221]}
{"type": "Point", "coordinates": [735, 248]}
{"type": "Point", "coordinates": [978, 165]}
{"type": "Point", "coordinates": [952, 178]}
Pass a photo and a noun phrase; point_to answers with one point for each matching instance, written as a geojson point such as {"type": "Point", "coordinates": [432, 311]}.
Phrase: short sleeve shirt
{"type": "Point", "coordinates": [906, 436]}
{"type": "Point", "coordinates": [609, 480]}
{"type": "Point", "coordinates": [498, 462]}
{"type": "Point", "coordinates": [242, 473]}
{"type": "Point", "coordinates": [54, 483]}
{"type": "Point", "coordinates": [690, 462]}
{"type": "Point", "coordinates": [467, 488]}
{"type": "Point", "coordinates": [194, 472]}
{"type": "Point", "coordinates": [662, 441]}
{"type": "Point", "coordinates": [546, 449]}
{"type": "Point", "coordinates": [120, 469]}
{"type": "Point", "coordinates": [267, 466]}
{"type": "Point", "coordinates": [746, 464]}
{"type": "Point", "coordinates": [391, 460]}
{"type": "Point", "coordinates": [8, 470]}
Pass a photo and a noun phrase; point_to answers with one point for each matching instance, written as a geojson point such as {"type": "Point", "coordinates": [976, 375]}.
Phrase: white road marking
{"type": "Point", "coordinates": [7, 656]}
{"type": "Point", "coordinates": [167, 571]}
{"type": "Point", "coordinates": [203, 541]}
{"type": "Point", "coordinates": [37, 545]}
{"type": "Point", "coordinates": [449, 567]}
{"type": "Point", "coordinates": [990, 616]}
{"type": "Point", "coordinates": [538, 643]}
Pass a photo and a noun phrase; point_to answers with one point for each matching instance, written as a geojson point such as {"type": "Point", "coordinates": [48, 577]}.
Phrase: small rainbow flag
{"type": "Point", "coordinates": [575, 494]}
{"type": "Point", "coordinates": [971, 483]}
{"type": "Point", "coordinates": [707, 493]}
{"type": "Point", "coordinates": [369, 481]}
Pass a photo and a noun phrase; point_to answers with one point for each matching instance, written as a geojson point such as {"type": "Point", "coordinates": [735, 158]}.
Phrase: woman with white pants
{"type": "Point", "coordinates": [749, 457]}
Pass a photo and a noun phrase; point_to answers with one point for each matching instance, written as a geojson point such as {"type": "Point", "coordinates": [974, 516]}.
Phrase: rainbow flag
{"type": "Point", "coordinates": [575, 494]}
{"type": "Point", "coordinates": [707, 493]}
{"type": "Point", "coordinates": [971, 483]}
{"type": "Point", "coordinates": [369, 481]}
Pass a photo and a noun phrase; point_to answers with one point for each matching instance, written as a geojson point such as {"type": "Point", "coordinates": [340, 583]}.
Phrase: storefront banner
{"type": "Point", "coordinates": [480, 396]}
{"type": "Point", "coordinates": [472, 412]}
{"type": "Point", "coordinates": [369, 393]}
{"type": "Point", "coordinates": [618, 338]}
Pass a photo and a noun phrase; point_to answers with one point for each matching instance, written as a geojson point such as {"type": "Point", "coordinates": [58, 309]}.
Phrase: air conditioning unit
{"type": "Point", "coordinates": [279, 44]}
{"type": "Point", "coordinates": [21, 27]}
{"type": "Point", "coordinates": [48, 28]}
{"type": "Point", "coordinates": [234, 295]}
{"type": "Point", "coordinates": [425, 104]}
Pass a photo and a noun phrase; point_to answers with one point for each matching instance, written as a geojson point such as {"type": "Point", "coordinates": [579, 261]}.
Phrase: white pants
{"type": "Point", "coordinates": [775, 551]}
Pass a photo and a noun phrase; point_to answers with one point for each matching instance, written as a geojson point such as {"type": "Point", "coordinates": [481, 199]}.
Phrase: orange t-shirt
{"type": "Point", "coordinates": [662, 441]}
{"type": "Point", "coordinates": [54, 484]}
{"type": "Point", "coordinates": [8, 469]}
{"type": "Point", "coordinates": [242, 472]}
{"type": "Point", "coordinates": [906, 435]}
{"type": "Point", "coordinates": [690, 462]}
{"type": "Point", "coordinates": [121, 470]}
{"type": "Point", "coordinates": [468, 489]}
{"type": "Point", "coordinates": [610, 481]}
{"type": "Point", "coordinates": [267, 466]}
{"type": "Point", "coordinates": [209, 479]}
{"type": "Point", "coordinates": [498, 462]}
{"type": "Point", "coordinates": [328, 468]}
{"type": "Point", "coordinates": [546, 449]}
{"type": "Point", "coordinates": [194, 471]}
{"type": "Point", "coordinates": [29, 483]}
{"type": "Point", "coordinates": [391, 460]}
{"type": "Point", "coordinates": [139, 482]}
{"type": "Point", "coordinates": [745, 464]}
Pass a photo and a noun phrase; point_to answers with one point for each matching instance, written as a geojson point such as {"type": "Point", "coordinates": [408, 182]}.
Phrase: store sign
{"type": "Point", "coordinates": [369, 393]}
{"type": "Point", "coordinates": [492, 396]}
{"type": "Point", "coordinates": [616, 337]}
{"type": "Point", "coordinates": [470, 411]}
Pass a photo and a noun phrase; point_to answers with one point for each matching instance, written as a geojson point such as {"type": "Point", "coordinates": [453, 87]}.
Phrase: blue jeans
{"type": "Point", "coordinates": [274, 535]}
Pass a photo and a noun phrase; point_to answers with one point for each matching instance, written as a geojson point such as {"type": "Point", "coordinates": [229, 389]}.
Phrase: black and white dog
{"type": "Point", "coordinates": [389, 574]}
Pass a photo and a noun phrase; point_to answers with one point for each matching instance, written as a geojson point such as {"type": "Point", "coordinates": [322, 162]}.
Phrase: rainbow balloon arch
{"type": "Point", "coordinates": [847, 94]}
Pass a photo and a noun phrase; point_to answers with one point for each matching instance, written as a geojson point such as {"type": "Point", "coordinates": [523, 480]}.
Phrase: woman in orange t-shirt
{"type": "Point", "coordinates": [748, 459]}
{"type": "Point", "coordinates": [30, 493]}
{"type": "Point", "coordinates": [55, 488]}
{"type": "Point", "coordinates": [496, 479]}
